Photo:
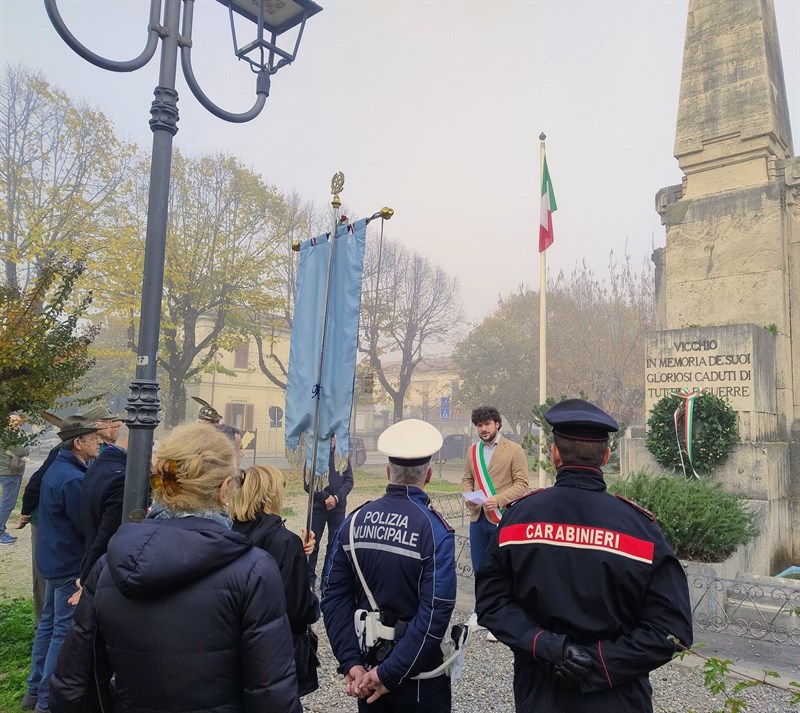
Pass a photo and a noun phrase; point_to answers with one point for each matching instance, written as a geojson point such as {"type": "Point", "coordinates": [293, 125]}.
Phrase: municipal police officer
{"type": "Point", "coordinates": [392, 572]}
{"type": "Point", "coordinates": [581, 584]}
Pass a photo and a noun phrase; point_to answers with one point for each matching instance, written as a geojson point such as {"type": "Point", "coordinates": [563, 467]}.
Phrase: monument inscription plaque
{"type": "Point", "coordinates": [736, 363]}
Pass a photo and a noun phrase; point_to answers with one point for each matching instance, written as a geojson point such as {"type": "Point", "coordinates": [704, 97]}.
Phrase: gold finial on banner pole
{"type": "Point", "coordinates": [337, 185]}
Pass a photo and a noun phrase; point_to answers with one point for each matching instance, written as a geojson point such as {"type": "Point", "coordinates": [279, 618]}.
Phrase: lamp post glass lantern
{"type": "Point", "coordinates": [276, 17]}
{"type": "Point", "coordinates": [174, 30]}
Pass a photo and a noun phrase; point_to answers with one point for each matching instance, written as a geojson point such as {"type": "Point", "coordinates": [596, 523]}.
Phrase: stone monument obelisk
{"type": "Point", "coordinates": [728, 280]}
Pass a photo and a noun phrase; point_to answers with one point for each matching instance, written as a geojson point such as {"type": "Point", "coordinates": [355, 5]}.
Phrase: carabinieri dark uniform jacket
{"type": "Point", "coordinates": [406, 552]}
{"type": "Point", "coordinates": [575, 561]}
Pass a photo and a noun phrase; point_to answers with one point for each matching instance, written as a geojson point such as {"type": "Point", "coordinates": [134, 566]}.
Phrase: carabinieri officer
{"type": "Point", "coordinates": [402, 597]}
{"type": "Point", "coordinates": [581, 584]}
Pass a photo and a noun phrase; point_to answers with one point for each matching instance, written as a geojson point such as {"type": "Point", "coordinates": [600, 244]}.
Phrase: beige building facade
{"type": "Point", "coordinates": [244, 395]}
{"type": "Point", "coordinates": [248, 399]}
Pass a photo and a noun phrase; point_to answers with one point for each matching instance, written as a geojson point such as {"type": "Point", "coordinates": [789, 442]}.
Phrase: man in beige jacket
{"type": "Point", "coordinates": [495, 473]}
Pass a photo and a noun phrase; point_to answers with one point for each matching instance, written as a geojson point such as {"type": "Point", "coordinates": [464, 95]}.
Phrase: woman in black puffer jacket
{"type": "Point", "coordinates": [185, 613]}
{"type": "Point", "coordinates": [256, 507]}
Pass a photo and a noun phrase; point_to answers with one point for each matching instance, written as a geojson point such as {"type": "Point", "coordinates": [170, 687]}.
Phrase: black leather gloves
{"type": "Point", "coordinates": [575, 664]}
{"type": "Point", "coordinates": [570, 662]}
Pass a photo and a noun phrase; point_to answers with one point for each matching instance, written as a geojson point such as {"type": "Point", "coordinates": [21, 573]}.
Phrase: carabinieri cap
{"type": "Point", "coordinates": [580, 420]}
{"type": "Point", "coordinates": [409, 443]}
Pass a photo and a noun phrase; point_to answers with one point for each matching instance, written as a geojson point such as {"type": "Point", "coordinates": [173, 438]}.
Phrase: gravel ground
{"type": "Point", "coordinates": [678, 687]}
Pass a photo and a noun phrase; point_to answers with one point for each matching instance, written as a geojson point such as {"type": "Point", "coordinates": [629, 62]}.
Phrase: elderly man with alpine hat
{"type": "Point", "coordinates": [59, 549]}
{"type": "Point", "coordinates": [582, 585]}
{"type": "Point", "coordinates": [108, 422]}
{"type": "Point", "coordinates": [392, 572]}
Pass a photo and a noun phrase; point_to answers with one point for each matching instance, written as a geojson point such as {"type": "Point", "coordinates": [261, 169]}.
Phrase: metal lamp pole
{"type": "Point", "coordinates": [143, 403]}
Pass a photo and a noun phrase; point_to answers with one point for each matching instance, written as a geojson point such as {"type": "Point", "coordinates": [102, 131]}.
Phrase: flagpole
{"type": "Point", "coordinates": [337, 184]}
{"type": "Point", "coordinates": [542, 328]}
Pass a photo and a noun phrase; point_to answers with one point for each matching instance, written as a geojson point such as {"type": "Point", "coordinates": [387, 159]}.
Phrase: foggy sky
{"type": "Point", "coordinates": [433, 108]}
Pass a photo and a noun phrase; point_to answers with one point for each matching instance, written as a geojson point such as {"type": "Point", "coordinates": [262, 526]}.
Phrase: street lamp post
{"type": "Point", "coordinates": [265, 58]}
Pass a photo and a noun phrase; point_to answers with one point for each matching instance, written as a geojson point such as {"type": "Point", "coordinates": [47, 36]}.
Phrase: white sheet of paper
{"type": "Point", "coordinates": [476, 497]}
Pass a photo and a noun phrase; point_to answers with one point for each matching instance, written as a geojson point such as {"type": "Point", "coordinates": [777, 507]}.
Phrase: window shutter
{"type": "Point", "coordinates": [241, 357]}
{"type": "Point", "coordinates": [248, 417]}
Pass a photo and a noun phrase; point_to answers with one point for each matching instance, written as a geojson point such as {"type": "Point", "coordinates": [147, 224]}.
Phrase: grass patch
{"type": "Point", "coordinates": [16, 623]}
{"type": "Point", "coordinates": [371, 484]}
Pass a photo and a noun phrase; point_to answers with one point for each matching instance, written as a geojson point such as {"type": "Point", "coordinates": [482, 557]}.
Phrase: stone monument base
{"type": "Point", "coordinates": [758, 472]}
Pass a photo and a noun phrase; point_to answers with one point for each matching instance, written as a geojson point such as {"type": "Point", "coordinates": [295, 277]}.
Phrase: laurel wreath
{"type": "Point", "coordinates": [714, 435]}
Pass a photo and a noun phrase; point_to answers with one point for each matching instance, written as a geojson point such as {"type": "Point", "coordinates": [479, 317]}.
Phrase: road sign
{"type": "Point", "coordinates": [275, 417]}
{"type": "Point", "coordinates": [444, 414]}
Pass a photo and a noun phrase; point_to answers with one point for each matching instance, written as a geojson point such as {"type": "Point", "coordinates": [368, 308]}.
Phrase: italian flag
{"type": "Point", "coordinates": [548, 207]}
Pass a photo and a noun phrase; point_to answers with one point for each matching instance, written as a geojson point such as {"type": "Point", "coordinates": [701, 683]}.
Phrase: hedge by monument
{"type": "Point", "coordinates": [701, 521]}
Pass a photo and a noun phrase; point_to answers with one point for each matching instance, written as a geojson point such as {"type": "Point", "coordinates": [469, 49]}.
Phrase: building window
{"type": "Point", "coordinates": [241, 357]}
{"type": "Point", "coordinates": [240, 416]}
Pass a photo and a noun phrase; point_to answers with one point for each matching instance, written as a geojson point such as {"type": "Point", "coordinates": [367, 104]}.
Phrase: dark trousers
{"type": "Point", "coordinates": [481, 534]}
{"type": "Point", "coordinates": [38, 580]}
{"type": "Point", "coordinates": [431, 695]}
{"type": "Point", "coordinates": [333, 519]}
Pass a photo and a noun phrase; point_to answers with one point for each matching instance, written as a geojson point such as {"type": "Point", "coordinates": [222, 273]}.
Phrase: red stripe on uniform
{"type": "Point", "coordinates": [538, 634]}
{"type": "Point", "coordinates": [603, 661]}
{"type": "Point", "coordinates": [578, 537]}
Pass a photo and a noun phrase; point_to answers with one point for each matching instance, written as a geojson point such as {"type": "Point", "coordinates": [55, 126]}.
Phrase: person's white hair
{"type": "Point", "coordinates": [408, 474]}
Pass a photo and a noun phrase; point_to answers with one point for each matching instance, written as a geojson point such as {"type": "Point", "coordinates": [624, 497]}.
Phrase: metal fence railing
{"type": "Point", "coordinates": [752, 609]}
{"type": "Point", "coordinates": [451, 506]}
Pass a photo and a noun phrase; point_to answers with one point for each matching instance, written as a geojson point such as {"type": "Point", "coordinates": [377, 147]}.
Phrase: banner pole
{"type": "Point", "coordinates": [542, 330]}
{"type": "Point", "coordinates": [337, 184]}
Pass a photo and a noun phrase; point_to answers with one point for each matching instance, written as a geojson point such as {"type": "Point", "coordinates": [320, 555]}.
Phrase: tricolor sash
{"type": "Point", "coordinates": [484, 479]}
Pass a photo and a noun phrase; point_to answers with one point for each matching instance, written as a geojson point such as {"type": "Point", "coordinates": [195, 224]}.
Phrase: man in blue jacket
{"type": "Point", "coordinates": [393, 571]}
{"type": "Point", "coordinates": [59, 549]}
{"type": "Point", "coordinates": [329, 508]}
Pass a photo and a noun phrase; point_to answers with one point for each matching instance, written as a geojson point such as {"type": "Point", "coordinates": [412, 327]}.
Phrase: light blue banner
{"type": "Point", "coordinates": [341, 340]}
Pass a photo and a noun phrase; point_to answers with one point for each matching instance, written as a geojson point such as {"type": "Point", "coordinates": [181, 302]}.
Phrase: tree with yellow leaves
{"type": "Point", "coordinates": [226, 227]}
{"type": "Point", "coordinates": [44, 342]}
{"type": "Point", "coordinates": [63, 171]}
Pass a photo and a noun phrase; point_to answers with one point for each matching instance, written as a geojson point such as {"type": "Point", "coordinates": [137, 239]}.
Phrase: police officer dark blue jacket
{"type": "Point", "coordinates": [581, 584]}
{"type": "Point", "coordinates": [406, 553]}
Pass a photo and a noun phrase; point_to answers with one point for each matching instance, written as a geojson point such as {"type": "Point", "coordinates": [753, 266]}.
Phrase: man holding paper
{"type": "Point", "coordinates": [495, 473]}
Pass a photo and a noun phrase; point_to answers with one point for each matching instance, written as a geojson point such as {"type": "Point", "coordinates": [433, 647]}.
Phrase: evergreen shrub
{"type": "Point", "coordinates": [700, 520]}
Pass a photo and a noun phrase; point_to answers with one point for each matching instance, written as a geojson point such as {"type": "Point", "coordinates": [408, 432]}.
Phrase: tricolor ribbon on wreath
{"type": "Point", "coordinates": [484, 479]}
{"type": "Point", "coordinates": [688, 397]}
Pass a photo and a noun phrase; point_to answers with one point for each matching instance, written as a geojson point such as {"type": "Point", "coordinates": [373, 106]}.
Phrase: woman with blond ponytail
{"type": "Point", "coordinates": [182, 612]}
{"type": "Point", "coordinates": [256, 507]}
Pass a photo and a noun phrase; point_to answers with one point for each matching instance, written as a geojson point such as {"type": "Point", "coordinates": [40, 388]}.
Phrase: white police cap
{"type": "Point", "coordinates": [410, 442]}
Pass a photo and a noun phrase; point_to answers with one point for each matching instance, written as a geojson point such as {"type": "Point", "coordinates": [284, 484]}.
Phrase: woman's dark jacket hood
{"type": "Point", "coordinates": [157, 556]}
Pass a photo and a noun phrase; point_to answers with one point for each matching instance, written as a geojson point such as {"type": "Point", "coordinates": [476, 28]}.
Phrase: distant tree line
{"type": "Point", "coordinates": [75, 193]}
{"type": "Point", "coordinates": [73, 212]}
{"type": "Point", "coordinates": [596, 329]}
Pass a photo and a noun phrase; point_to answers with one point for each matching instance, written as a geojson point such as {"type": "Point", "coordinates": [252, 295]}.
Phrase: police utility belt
{"type": "Point", "coordinates": [378, 632]}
